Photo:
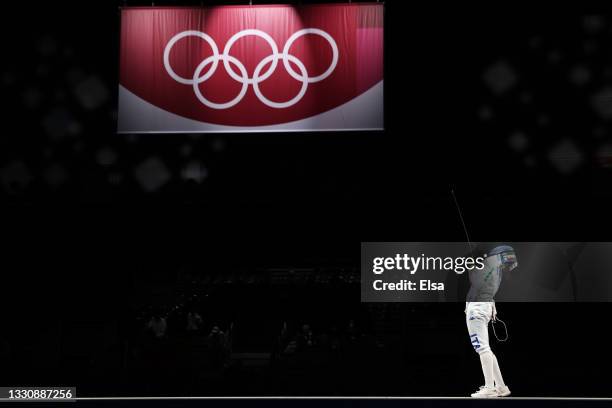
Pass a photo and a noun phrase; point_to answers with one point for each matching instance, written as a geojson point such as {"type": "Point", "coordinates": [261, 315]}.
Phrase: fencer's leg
{"type": "Point", "coordinates": [479, 336]}
{"type": "Point", "coordinates": [497, 375]}
{"type": "Point", "coordinates": [501, 388]}
{"type": "Point", "coordinates": [487, 362]}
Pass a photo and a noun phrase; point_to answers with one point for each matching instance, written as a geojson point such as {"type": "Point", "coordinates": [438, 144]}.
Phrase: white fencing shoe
{"type": "Point", "coordinates": [485, 392]}
{"type": "Point", "coordinates": [503, 391]}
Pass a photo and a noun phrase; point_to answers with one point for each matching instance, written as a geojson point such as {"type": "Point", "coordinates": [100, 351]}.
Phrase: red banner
{"type": "Point", "coordinates": [251, 68]}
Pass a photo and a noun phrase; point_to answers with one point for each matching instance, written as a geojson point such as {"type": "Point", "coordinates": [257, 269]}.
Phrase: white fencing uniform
{"type": "Point", "coordinates": [480, 309]}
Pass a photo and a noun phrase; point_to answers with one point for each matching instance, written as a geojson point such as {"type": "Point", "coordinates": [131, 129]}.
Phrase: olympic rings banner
{"type": "Point", "coordinates": [251, 68]}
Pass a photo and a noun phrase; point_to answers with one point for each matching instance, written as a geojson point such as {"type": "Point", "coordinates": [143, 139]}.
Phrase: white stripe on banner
{"type": "Point", "coordinates": [364, 112]}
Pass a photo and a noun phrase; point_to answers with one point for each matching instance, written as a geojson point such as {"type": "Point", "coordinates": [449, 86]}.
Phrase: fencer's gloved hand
{"type": "Point", "coordinates": [494, 313]}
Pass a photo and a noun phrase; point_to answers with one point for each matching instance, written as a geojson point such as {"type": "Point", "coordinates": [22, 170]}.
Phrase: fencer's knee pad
{"type": "Point", "coordinates": [482, 348]}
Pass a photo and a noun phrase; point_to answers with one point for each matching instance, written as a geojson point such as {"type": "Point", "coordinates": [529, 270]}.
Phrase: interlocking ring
{"type": "Point", "coordinates": [258, 77]}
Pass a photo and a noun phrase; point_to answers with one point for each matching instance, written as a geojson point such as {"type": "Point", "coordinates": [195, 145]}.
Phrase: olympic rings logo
{"type": "Point", "coordinates": [199, 76]}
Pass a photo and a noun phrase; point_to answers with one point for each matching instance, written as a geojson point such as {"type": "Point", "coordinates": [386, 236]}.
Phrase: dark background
{"type": "Point", "coordinates": [509, 106]}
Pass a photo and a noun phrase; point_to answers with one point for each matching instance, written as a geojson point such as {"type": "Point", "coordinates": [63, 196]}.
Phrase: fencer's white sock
{"type": "Point", "coordinates": [497, 375]}
{"type": "Point", "coordinates": [487, 362]}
